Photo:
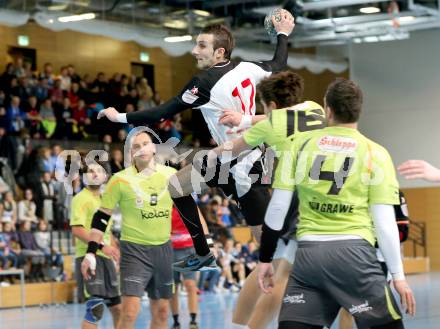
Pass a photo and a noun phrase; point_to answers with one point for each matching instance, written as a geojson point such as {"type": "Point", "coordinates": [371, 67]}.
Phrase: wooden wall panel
{"type": "Point", "coordinates": [91, 54]}
{"type": "Point", "coordinates": [424, 206]}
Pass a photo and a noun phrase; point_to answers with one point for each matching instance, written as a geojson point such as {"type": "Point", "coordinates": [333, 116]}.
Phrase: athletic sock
{"type": "Point", "coordinates": [187, 208]}
{"type": "Point", "coordinates": [176, 318]}
{"type": "Point", "coordinates": [193, 317]}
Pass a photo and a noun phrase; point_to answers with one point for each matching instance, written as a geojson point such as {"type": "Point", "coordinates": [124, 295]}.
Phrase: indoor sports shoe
{"type": "Point", "coordinates": [193, 325]}
{"type": "Point", "coordinates": [196, 263]}
{"type": "Point", "coordinates": [176, 326]}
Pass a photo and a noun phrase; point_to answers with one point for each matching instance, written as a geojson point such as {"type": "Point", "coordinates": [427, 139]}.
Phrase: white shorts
{"type": "Point", "coordinates": [286, 252]}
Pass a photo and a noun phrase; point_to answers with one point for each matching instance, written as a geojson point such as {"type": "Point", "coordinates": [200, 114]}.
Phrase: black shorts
{"type": "Point", "coordinates": [334, 274]}
{"type": "Point", "coordinates": [248, 187]}
{"type": "Point", "coordinates": [147, 268]}
{"type": "Point", "coordinates": [104, 284]}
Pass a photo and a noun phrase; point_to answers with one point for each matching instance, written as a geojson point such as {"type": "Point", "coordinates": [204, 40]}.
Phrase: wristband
{"type": "Point", "coordinates": [92, 247]}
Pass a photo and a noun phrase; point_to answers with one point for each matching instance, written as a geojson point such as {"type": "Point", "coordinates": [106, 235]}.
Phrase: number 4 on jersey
{"type": "Point", "coordinates": [236, 93]}
{"type": "Point", "coordinates": [338, 178]}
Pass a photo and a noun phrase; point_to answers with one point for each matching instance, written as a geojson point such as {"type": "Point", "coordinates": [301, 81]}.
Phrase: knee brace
{"type": "Point", "coordinates": [110, 302]}
{"type": "Point", "coordinates": [94, 310]}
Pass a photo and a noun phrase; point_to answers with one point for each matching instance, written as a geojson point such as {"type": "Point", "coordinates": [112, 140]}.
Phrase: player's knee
{"type": "Point", "coordinates": [129, 313]}
{"type": "Point", "coordinates": [162, 313]}
{"type": "Point", "coordinates": [190, 286]}
{"type": "Point", "coordinates": [94, 310]}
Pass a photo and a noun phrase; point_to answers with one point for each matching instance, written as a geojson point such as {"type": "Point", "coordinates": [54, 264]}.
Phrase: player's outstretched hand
{"type": "Point", "coordinates": [419, 169]}
{"type": "Point", "coordinates": [406, 296]}
{"type": "Point", "coordinates": [110, 112]}
{"type": "Point", "coordinates": [112, 252]}
{"type": "Point", "coordinates": [286, 23]}
{"type": "Point", "coordinates": [230, 118]}
{"type": "Point", "coordinates": [265, 275]}
{"type": "Point", "coordinates": [88, 266]}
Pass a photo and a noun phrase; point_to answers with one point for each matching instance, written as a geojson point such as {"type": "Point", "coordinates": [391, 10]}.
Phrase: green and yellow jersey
{"type": "Point", "coordinates": [283, 124]}
{"type": "Point", "coordinates": [338, 173]}
{"type": "Point", "coordinates": [145, 204]}
{"type": "Point", "coordinates": [84, 206]}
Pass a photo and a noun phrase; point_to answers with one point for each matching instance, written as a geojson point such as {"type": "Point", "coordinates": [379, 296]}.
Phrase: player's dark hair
{"type": "Point", "coordinates": [344, 97]}
{"type": "Point", "coordinates": [222, 38]}
{"type": "Point", "coordinates": [284, 88]}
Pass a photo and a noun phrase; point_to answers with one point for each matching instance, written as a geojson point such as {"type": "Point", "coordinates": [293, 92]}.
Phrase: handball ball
{"type": "Point", "coordinates": [268, 25]}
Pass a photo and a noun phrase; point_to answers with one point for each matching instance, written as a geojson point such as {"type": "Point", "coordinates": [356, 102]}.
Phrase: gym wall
{"type": "Point", "coordinates": [401, 81]}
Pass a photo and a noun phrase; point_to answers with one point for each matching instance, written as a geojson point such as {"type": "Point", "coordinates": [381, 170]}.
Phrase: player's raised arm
{"type": "Point", "coordinates": [152, 115]}
{"type": "Point", "coordinates": [284, 27]}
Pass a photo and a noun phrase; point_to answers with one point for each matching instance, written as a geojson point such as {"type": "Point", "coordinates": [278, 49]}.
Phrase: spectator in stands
{"type": "Point", "coordinates": [4, 121]}
{"type": "Point", "coordinates": [42, 238]}
{"type": "Point", "coordinates": [47, 115]}
{"type": "Point", "coordinates": [29, 74]}
{"type": "Point", "coordinates": [56, 93]}
{"type": "Point", "coordinates": [121, 136]}
{"type": "Point", "coordinates": [143, 88]}
{"type": "Point", "coordinates": [251, 257]}
{"type": "Point", "coordinates": [4, 187]}
{"type": "Point", "coordinates": [227, 260]}
{"type": "Point", "coordinates": [16, 115]}
{"type": "Point", "coordinates": [156, 99]}
{"type": "Point", "coordinates": [7, 258]}
{"type": "Point", "coordinates": [107, 142]}
{"type": "Point", "coordinates": [42, 89]}
{"type": "Point", "coordinates": [209, 280]}
{"type": "Point", "coordinates": [226, 213]}
{"type": "Point", "coordinates": [117, 161]}
{"type": "Point", "coordinates": [12, 244]}
{"type": "Point", "coordinates": [9, 214]}
{"type": "Point", "coordinates": [55, 151]}
{"type": "Point", "coordinates": [47, 74]}
{"type": "Point", "coordinates": [144, 102]}
{"type": "Point", "coordinates": [33, 118]}
{"type": "Point", "coordinates": [64, 79]}
{"type": "Point", "coordinates": [74, 95]}
{"type": "Point", "coordinates": [18, 67]}
{"type": "Point", "coordinates": [27, 209]}
{"type": "Point", "coordinates": [132, 98]}
{"type": "Point", "coordinates": [45, 197]}
{"type": "Point", "coordinates": [2, 98]}
{"type": "Point", "coordinates": [8, 148]}
{"type": "Point", "coordinates": [24, 89]}
{"type": "Point", "coordinates": [66, 125]}
{"type": "Point", "coordinates": [29, 249]}
{"type": "Point", "coordinates": [6, 78]}
{"type": "Point", "coordinates": [99, 88]}
{"type": "Point", "coordinates": [74, 78]}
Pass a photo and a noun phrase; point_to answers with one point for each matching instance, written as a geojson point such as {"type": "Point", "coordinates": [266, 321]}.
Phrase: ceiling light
{"type": "Point", "coordinates": [76, 18]}
{"type": "Point", "coordinates": [176, 24]}
{"type": "Point", "coordinates": [372, 38]}
{"type": "Point", "coordinates": [405, 19]}
{"type": "Point", "coordinates": [203, 13]}
{"type": "Point", "coordinates": [178, 39]}
{"type": "Point", "coordinates": [57, 7]}
{"type": "Point", "coordinates": [369, 10]}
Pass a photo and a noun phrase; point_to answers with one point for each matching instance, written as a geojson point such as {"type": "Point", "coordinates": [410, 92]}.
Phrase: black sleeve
{"type": "Point", "coordinates": [279, 60]}
{"type": "Point", "coordinates": [196, 93]}
{"type": "Point", "coordinates": [268, 245]}
{"type": "Point", "coordinates": [164, 111]}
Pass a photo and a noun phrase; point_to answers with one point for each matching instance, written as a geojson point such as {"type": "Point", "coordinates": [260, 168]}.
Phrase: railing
{"type": "Point", "coordinates": [417, 236]}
